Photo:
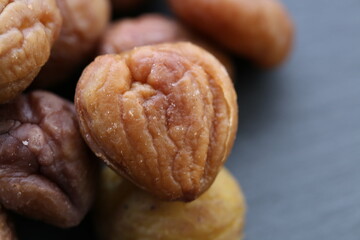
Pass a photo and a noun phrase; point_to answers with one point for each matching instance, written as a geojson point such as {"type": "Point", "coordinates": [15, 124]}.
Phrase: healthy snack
{"type": "Point", "coordinates": [163, 116]}
{"type": "Point", "coordinates": [84, 22]}
{"type": "Point", "coordinates": [6, 228]}
{"type": "Point", "coordinates": [28, 29]}
{"type": "Point", "coordinates": [149, 29]}
{"type": "Point", "coordinates": [259, 30]}
{"type": "Point", "coordinates": [125, 212]}
{"type": "Point", "coordinates": [46, 170]}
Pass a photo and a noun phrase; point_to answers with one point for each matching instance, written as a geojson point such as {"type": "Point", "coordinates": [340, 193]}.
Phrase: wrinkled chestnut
{"type": "Point", "coordinates": [46, 170]}
{"type": "Point", "coordinates": [260, 30]}
{"type": "Point", "coordinates": [163, 116]}
{"type": "Point", "coordinates": [6, 228]}
{"type": "Point", "coordinates": [28, 29]}
{"type": "Point", "coordinates": [124, 212]}
{"type": "Point", "coordinates": [149, 29]}
{"type": "Point", "coordinates": [84, 22]}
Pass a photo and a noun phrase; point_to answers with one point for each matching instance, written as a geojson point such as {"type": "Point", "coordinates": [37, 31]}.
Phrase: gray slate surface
{"type": "Point", "coordinates": [297, 154]}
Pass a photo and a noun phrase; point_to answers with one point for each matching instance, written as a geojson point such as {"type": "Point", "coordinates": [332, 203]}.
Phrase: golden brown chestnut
{"type": "Point", "coordinates": [28, 29]}
{"type": "Point", "coordinates": [124, 212]}
{"type": "Point", "coordinates": [259, 30]}
{"type": "Point", "coordinates": [163, 116]}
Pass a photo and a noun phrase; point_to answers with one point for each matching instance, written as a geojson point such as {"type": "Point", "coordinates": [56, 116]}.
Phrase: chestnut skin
{"type": "Point", "coordinates": [28, 29]}
{"type": "Point", "coordinates": [125, 212]}
{"type": "Point", "coordinates": [261, 30]}
{"type": "Point", "coordinates": [47, 172]}
{"type": "Point", "coordinates": [163, 116]}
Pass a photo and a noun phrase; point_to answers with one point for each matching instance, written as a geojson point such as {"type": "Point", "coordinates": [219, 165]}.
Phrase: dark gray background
{"type": "Point", "coordinates": [297, 153]}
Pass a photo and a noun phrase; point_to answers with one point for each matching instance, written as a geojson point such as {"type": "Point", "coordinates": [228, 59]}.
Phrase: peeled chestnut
{"type": "Point", "coordinates": [46, 170]}
{"type": "Point", "coordinates": [28, 29]}
{"type": "Point", "coordinates": [163, 116]}
{"type": "Point", "coordinates": [261, 30]}
{"type": "Point", "coordinates": [147, 29]}
{"type": "Point", "coordinates": [124, 212]}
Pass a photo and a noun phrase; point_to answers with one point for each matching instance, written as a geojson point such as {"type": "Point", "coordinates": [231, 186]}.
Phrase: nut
{"type": "Point", "coordinates": [260, 30]}
{"type": "Point", "coordinates": [46, 170]}
{"type": "Point", "coordinates": [28, 29]}
{"type": "Point", "coordinates": [6, 228]}
{"type": "Point", "coordinates": [149, 29]}
{"type": "Point", "coordinates": [128, 213]}
{"type": "Point", "coordinates": [163, 116]}
{"type": "Point", "coordinates": [84, 22]}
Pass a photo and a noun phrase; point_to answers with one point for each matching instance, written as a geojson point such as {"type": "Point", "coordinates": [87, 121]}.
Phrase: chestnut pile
{"type": "Point", "coordinates": [144, 139]}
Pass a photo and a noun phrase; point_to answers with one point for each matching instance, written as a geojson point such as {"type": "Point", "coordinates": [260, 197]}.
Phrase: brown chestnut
{"type": "Point", "coordinates": [163, 116]}
{"type": "Point", "coordinates": [260, 30]}
{"type": "Point", "coordinates": [28, 29]}
{"type": "Point", "coordinates": [125, 212]}
{"type": "Point", "coordinates": [47, 171]}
